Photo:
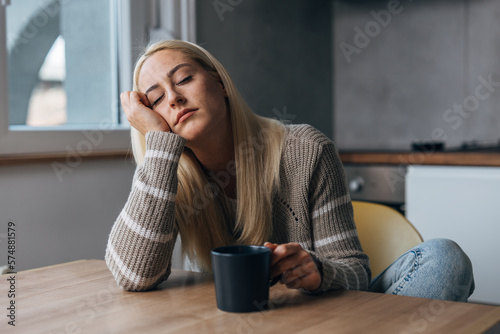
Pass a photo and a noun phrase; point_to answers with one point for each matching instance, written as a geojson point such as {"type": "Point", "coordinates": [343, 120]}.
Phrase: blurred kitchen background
{"type": "Point", "coordinates": [375, 76]}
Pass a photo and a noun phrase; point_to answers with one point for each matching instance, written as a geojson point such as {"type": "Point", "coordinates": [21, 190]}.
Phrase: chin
{"type": "Point", "coordinates": [192, 133]}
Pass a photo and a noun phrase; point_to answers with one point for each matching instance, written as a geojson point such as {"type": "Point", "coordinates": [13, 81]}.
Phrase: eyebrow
{"type": "Point", "coordinates": [169, 74]}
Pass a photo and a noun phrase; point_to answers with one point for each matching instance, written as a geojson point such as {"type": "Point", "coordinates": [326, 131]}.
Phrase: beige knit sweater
{"type": "Point", "coordinates": [312, 208]}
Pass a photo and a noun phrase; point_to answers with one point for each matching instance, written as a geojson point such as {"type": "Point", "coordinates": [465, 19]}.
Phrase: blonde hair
{"type": "Point", "coordinates": [258, 144]}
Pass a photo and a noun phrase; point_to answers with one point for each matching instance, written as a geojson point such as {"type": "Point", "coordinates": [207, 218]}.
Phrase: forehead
{"type": "Point", "coordinates": [158, 65]}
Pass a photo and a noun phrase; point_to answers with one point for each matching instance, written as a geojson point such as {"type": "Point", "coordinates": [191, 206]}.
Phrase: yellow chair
{"type": "Point", "coordinates": [384, 233]}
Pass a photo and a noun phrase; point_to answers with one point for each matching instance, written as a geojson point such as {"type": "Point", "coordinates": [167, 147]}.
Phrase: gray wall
{"type": "Point", "coordinates": [409, 78]}
{"type": "Point", "coordinates": [277, 52]}
{"type": "Point", "coordinates": [61, 221]}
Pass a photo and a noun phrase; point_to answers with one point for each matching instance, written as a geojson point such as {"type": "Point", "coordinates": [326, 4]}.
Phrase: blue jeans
{"type": "Point", "coordinates": [437, 269]}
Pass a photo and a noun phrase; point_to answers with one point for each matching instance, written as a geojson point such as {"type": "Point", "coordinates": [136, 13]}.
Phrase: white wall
{"type": "Point", "coordinates": [460, 203]}
{"type": "Point", "coordinates": [61, 221]}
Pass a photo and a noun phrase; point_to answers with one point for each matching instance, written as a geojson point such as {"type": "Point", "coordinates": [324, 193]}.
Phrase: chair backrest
{"type": "Point", "coordinates": [384, 233]}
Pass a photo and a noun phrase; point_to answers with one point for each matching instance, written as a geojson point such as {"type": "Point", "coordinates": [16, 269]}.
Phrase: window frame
{"type": "Point", "coordinates": [95, 139]}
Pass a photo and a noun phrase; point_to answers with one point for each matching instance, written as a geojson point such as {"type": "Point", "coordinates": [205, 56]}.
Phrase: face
{"type": "Point", "coordinates": [190, 100]}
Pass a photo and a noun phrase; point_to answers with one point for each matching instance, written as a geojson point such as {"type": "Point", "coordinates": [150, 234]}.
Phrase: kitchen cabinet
{"type": "Point", "coordinates": [462, 204]}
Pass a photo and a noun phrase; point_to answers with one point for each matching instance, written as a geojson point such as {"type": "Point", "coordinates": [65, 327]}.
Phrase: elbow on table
{"type": "Point", "coordinates": [132, 287]}
{"type": "Point", "coordinates": [131, 281]}
{"type": "Point", "coordinates": [365, 282]}
{"type": "Point", "coordinates": [140, 285]}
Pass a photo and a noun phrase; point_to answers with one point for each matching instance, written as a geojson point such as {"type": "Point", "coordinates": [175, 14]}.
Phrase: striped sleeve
{"type": "Point", "coordinates": [336, 247]}
{"type": "Point", "coordinates": [142, 239]}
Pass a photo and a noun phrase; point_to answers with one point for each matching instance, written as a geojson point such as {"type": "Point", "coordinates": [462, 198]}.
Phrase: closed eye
{"type": "Point", "coordinates": [158, 100]}
{"type": "Point", "coordinates": [186, 79]}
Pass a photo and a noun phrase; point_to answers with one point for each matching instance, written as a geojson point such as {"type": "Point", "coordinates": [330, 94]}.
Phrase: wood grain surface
{"type": "Point", "coordinates": [82, 297]}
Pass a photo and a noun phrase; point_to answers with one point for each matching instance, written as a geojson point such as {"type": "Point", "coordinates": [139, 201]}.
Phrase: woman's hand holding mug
{"type": "Point", "coordinates": [296, 266]}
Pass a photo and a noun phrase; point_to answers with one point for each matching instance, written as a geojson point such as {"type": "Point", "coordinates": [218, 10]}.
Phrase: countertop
{"type": "Point", "coordinates": [491, 159]}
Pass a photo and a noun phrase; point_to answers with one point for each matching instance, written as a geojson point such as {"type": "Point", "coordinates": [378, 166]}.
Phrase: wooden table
{"type": "Point", "coordinates": [82, 297]}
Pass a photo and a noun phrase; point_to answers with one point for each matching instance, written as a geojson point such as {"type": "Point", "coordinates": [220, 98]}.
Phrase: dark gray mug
{"type": "Point", "coordinates": [241, 276]}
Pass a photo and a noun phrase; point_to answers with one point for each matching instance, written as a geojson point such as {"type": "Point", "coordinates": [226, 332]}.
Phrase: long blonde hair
{"type": "Point", "coordinates": [258, 143]}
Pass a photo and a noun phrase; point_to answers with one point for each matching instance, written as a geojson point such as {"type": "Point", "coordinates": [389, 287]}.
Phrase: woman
{"type": "Point", "coordinates": [218, 174]}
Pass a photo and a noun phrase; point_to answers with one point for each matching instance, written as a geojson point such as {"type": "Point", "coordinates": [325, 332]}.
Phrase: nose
{"type": "Point", "coordinates": [175, 98]}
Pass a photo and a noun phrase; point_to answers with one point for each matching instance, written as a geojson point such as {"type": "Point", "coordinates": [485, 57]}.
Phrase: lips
{"type": "Point", "coordinates": [184, 114]}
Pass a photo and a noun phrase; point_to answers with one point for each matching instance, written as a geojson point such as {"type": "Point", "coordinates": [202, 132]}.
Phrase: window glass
{"type": "Point", "coordinates": [47, 104]}
{"type": "Point", "coordinates": [60, 62]}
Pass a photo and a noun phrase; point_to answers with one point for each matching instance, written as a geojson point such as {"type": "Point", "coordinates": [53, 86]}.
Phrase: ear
{"type": "Point", "coordinates": [223, 88]}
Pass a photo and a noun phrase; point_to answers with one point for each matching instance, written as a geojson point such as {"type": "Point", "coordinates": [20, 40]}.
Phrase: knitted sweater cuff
{"type": "Point", "coordinates": [165, 142]}
{"type": "Point", "coordinates": [163, 151]}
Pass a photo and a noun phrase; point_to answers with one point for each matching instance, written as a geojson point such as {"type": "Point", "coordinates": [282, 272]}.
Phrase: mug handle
{"type": "Point", "coordinates": [275, 280]}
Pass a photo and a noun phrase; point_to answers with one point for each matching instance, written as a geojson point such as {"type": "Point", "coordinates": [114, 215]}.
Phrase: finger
{"type": "Point", "coordinates": [285, 257]}
{"type": "Point", "coordinates": [284, 265]}
{"type": "Point", "coordinates": [140, 115]}
{"type": "Point", "coordinates": [144, 100]}
{"type": "Point", "coordinates": [305, 276]}
{"type": "Point", "coordinates": [284, 250]}
{"type": "Point", "coordinates": [142, 103]}
{"type": "Point", "coordinates": [305, 269]}
{"type": "Point", "coordinates": [137, 98]}
{"type": "Point", "coordinates": [295, 284]}
{"type": "Point", "coordinates": [275, 278]}
{"type": "Point", "coordinates": [271, 246]}
{"type": "Point", "coordinates": [292, 261]}
{"type": "Point", "coordinates": [125, 100]}
{"type": "Point", "coordinates": [310, 282]}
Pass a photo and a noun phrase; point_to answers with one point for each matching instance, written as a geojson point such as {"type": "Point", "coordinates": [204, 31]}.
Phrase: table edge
{"type": "Point", "coordinates": [485, 323]}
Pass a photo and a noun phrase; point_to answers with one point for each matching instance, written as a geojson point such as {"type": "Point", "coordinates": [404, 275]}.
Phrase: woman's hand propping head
{"type": "Point", "coordinates": [140, 115]}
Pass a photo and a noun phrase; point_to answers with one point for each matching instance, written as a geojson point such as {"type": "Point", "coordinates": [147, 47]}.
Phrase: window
{"type": "Point", "coordinates": [47, 100]}
{"type": "Point", "coordinates": [60, 63]}
{"type": "Point", "coordinates": [65, 62]}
